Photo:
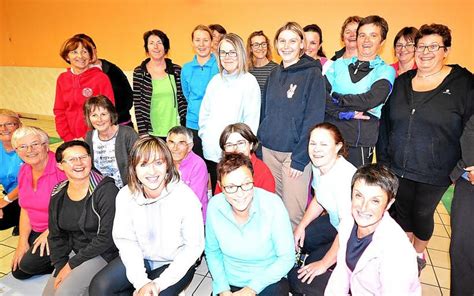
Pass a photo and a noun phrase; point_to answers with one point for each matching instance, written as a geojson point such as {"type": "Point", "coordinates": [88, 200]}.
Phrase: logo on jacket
{"type": "Point", "coordinates": [87, 92]}
{"type": "Point", "coordinates": [447, 92]}
{"type": "Point", "coordinates": [291, 91]}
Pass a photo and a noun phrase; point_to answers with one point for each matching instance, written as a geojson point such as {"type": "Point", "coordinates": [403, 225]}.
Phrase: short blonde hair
{"type": "Point", "coordinates": [239, 46]}
{"type": "Point", "coordinates": [202, 28]}
{"type": "Point", "coordinates": [295, 28]}
{"type": "Point", "coordinates": [12, 114]}
{"type": "Point", "coordinates": [28, 131]}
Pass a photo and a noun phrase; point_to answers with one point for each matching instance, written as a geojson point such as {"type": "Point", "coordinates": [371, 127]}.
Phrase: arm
{"type": "Point", "coordinates": [339, 281]}
{"type": "Point", "coordinates": [59, 110]}
{"type": "Point", "coordinates": [198, 184]}
{"type": "Point", "coordinates": [376, 95]}
{"type": "Point", "coordinates": [57, 239]}
{"type": "Point", "coordinates": [105, 88]}
{"type": "Point", "coordinates": [137, 101]}
{"type": "Point", "coordinates": [313, 211]}
{"type": "Point", "coordinates": [252, 104]}
{"type": "Point", "coordinates": [205, 111]}
{"type": "Point", "coordinates": [184, 81]}
{"type": "Point", "coordinates": [310, 271]}
{"type": "Point", "coordinates": [182, 103]}
{"type": "Point", "coordinates": [12, 195]}
{"type": "Point", "coordinates": [383, 142]}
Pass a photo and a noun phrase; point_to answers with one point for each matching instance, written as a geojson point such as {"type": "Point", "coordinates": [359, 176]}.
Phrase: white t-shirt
{"type": "Point", "coordinates": [104, 158]}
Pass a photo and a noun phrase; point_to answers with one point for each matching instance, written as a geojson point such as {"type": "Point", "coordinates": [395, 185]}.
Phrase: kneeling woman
{"type": "Point", "coordinates": [158, 228]}
{"type": "Point", "coordinates": [249, 246]}
{"type": "Point", "coordinates": [81, 213]}
{"type": "Point", "coordinates": [375, 256]}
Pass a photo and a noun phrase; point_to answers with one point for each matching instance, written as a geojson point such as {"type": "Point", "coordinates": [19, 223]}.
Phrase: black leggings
{"type": "Point", "coordinates": [415, 205]}
{"type": "Point", "coordinates": [112, 280]}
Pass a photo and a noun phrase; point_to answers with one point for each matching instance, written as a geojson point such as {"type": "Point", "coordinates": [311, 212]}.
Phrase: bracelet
{"type": "Point", "coordinates": [5, 198]}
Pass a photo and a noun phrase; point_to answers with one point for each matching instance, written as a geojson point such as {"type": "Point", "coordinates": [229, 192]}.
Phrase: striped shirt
{"type": "Point", "coordinates": [262, 73]}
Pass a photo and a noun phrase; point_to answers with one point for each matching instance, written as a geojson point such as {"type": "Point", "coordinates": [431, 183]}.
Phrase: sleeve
{"type": "Point", "coordinates": [126, 94]}
{"type": "Point", "coordinates": [344, 196]}
{"type": "Point", "coordinates": [105, 88]}
{"type": "Point", "coordinates": [184, 82]}
{"type": "Point", "coordinates": [137, 102]}
{"type": "Point", "coordinates": [105, 197]}
{"type": "Point", "coordinates": [182, 103]}
{"type": "Point", "coordinates": [198, 184]}
{"type": "Point", "coordinates": [58, 240]}
{"type": "Point", "coordinates": [252, 104]}
{"type": "Point", "coordinates": [205, 111]}
{"type": "Point", "coordinates": [377, 95]}
{"type": "Point", "coordinates": [383, 141]}
{"type": "Point", "coordinates": [467, 142]}
{"type": "Point", "coordinates": [283, 243]}
{"type": "Point", "coordinates": [192, 231]}
{"type": "Point", "coordinates": [59, 110]}
{"type": "Point", "coordinates": [339, 282]}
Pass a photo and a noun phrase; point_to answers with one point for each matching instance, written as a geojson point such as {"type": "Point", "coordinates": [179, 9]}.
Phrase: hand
{"type": "Point", "coordinates": [361, 116]}
{"type": "Point", "coordinates": [471, 174]}
{"type": "Point", "coordinates": [3, 203]}
{"type": "Point", "coordinates": [149, 289]}
{"type": "Point", "coordinates": [21, 249]}
{"type": "Point", "coordinates": [294, 173]}
{"type": "Point", "coordinates": [41, 242]}
{"type": "Point", "coordinates": [246, 291]}
{"type": "Point", "coordinates": [62, 275]}
{"type": "Point", "coordinates": [299, 235]}
{"type": "Point", "coordinates": [309, 272]}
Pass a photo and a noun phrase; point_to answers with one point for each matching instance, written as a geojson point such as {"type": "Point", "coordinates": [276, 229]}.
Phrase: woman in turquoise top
{"type": "Point", "coordinates": [195, 77]}
{"type": "Point", "coordinates": [157, 96]}
{"type": "Point", "coordinates": [249, 243]}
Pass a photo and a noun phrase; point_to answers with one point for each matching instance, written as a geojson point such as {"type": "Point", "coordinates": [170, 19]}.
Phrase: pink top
{"type": "Point", "coordinates": [36, 203]}
{"type": "Point", "coordinates": [396, 66]}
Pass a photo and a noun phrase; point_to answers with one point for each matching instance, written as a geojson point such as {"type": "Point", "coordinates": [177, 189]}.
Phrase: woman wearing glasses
{"type": "Point", "coordinates": [404, 46]}
{"type": "Point", "coordinates": [239, 138]}
{"type": "Point", "coordinates": [421, 127]}
{"type": "Point", "coordinates": [233, 96]}
{"type": "Point", "coordinates": [259, 53]}
{"type": "Point", "coordinates": [81, 214]}
{"type": "Point", "coordinates": [36, 180]}
{"type": "Point", "coordinates": [249, 245]}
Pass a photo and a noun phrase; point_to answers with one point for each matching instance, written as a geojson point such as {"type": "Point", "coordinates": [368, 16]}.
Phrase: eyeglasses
{"type": "Point", "coordinates": [257, 45]}
{"type": "Point", "coordinates": [232, 53]}
{"type": "Point", "coordinates": [180, 144]}
{"type": "Point", "coordinates": [8, 124]}
{"type": "Point", "coordinates": [431, 48]}
{"type": "Point", "coordinates": [33, 146]}
{"type": "Point", "coordinates": [72, 160]}
{"type": "Point", "coordinates": [409, 47]}
{"type": "Point", "coordinates": [232, 146]}
{"type": "Point", "coordinates": [233, 188]}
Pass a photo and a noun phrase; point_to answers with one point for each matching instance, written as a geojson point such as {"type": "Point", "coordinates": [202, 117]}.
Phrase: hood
{"type": "Point", "coordinates": [95, 179]}
{"type": "Point", "coordinates": [305, 62]}
{"type": "Point", "coordinates": [141, 200]}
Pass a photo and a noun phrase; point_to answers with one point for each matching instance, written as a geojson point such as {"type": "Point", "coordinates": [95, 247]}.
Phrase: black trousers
{"type": "Point", "coordinates": [279, 288]}
{"type": "Point", "coordinates": [359, 156]}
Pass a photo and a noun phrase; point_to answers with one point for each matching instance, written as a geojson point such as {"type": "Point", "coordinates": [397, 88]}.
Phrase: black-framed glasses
{"type": "Point", "coordinates": [223, 54]}
{"type": "Point", "coordinates": [409, 46]}
{"type": "Point", "coordinates": [72, 160]}
{"type": "Point", "coordinates": [33, 146]}
{"type": "Point", "coordinates": [431, 48]}
{"type": "Point", "coordinates": [8, 124]}
{"type": "Point", "coordinates": [257, 45]}
{"type": "Point", "coordinates": [232, 146]}
{"type": "Point", "coordinates": [233, 188]}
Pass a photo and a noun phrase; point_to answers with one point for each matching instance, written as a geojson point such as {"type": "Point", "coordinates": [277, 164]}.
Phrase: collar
{"type": "Point", "coordinates": [212, 60]}
{"type": "Point", "coordinates": [141, 200]}
{"type": "Point", "coordinates": [372, 64]}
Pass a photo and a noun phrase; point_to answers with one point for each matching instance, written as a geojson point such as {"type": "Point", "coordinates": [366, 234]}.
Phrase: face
{"type": "Point", "coordinates": [323, 149]}
{"type": "Point", "coordinates": [7, 126]}
{"type": "Point", "coordinates": [228, 57]}
{"type": "Point", "coordinates": [216, 38]}
{"type": "Point", "coordinates": [156, 50]}
{"type": "Point", "coordinates": [100, 119]}
{"type": "Point", "coordinates": [431, 61]}
{"type": "Point", "coordinates": [152, 174]}
{"type": "Point", "coordinates": [202, 43]}
{"type": "Point", "coordinates": [32, 150]}
{"type": "Point", "coordinates": [241, 199]}
{"type": "Point", "coordinates": [369, 204]}
{"type": "Point", "coordinates": [350, 35]}
{"type": "Point", "coordinates": [369, 42]}
{"type": "Point", "coordinates": [259, 47]}
{"type": "Point", "coordinates": [79, 59]}
{"type": "Point", "coordinates": [404, 50]}
{"type": "Point", "coordinates": [179, 145]}
{"type": "Point", "coordinates": [76, 163]}
{"type": "Point", "coordinates": [237, 144]}
{"type": "Point", "coordinates": [289, 46]}
{"type": "Point", "coordinates": [313, 44]}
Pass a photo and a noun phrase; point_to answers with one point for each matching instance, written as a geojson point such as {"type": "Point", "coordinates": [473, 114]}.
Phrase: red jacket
{"type": "Point", "coordinates": [72, 91]}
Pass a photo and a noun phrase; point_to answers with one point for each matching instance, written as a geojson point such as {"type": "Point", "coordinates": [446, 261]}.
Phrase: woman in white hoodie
{"type": "Point", "coordinates": [158, 228]}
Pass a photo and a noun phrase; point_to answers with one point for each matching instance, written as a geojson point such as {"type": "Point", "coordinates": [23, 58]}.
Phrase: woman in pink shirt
{"type": "Point", "coordinates": [36, 179]}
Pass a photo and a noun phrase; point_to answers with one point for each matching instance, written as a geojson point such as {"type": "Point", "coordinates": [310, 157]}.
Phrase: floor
{"type": "Point", "coordinates": [435, 278]}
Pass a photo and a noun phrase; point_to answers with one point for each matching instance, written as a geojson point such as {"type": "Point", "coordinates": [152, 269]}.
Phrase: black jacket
{"type": "Point", "coordinates": [419, 140]}
{"type": "Point", "coordinates": [95, 224]}
{"type": "Point", "coordinates": [467, 150]}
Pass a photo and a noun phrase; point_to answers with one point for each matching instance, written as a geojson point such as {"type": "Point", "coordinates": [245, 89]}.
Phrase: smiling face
{"type": "Point", "coordinates": [350, 35]}
{"type": "Point", "coordinates": [369, 42]}
{"type": "Point", "coordinates": [7, 126]}
{"type": "Point", "coordinates": [179, 145]}
{"type": "Point", "coordinates": [289, 46]}
{"type": "Point", "coordinates": [431, 61]}
{"type": "Point", "coordinates": [216, 38]}
{"type": "Point", "coordinates": [79, 59]}
{"type": "Point", "coordinates": [241, 200]}
{"type": "Point", "coordinates": [76, 163]}
{"type": "Point", "coordinates": [156, 50]}
{"type": "Point", "coordinates": [259, 47]}
{"type": "Point", "coordinates": [100, 119]}
{"type": "Point", "coordinates": [323, 149]}
{"type": "Point", "coordinates": [237, 144]}
{"type": "Point", "coordinates": [228, 57]}
{"type": "Point", "coordinates": [152, 175]}
{"type": "Point", "coordinates": [405, 50]}
{"type": "Point", "coordinates": [202, 43]}
{"type": "Point", "coordinates": [313, 44]}
{"type": "Point", "coordinates": [32, 150]}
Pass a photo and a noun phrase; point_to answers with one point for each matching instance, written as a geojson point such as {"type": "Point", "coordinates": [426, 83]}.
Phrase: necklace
{"type": "Point", "coordinates": [432, 74]}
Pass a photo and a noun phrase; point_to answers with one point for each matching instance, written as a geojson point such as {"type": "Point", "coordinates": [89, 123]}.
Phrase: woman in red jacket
{"type": "Point", "coordinates": [75, 86]}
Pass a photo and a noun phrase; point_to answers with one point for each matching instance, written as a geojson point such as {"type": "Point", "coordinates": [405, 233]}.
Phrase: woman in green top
{"type": "Point", "coordinates": [157, 95]}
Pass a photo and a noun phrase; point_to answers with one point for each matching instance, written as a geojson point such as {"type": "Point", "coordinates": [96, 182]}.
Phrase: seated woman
{"type": "Point", "coordinates": [36, 180]}
{"type": "Point", "coordinates": [159, 238]}
{"type": "Point", "coordinates": [110, 143]}
{"type": "Point", "coordinates": [11, 162]}
{"type": "Point", "coordinates": [375, 256]}
{"type": "Point", "coordinates": [81, 213]}
{"type": "Point", "coordinates": [239, 138]}
{"type": "Point", "coordinates": [249, 246]}
{"type": "Point", "coordinates": [316, 234]}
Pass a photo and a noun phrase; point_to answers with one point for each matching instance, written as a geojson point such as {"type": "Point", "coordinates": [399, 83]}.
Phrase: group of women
{"type": "Point", "coordinates": [313, 129]}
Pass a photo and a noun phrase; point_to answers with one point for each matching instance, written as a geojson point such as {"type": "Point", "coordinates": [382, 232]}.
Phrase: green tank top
{"type": "Point", "coordinates": [164, 106]}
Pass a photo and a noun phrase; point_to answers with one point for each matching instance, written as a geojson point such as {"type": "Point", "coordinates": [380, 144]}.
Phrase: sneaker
{"type": "Point", "coordinates": [421, 263]}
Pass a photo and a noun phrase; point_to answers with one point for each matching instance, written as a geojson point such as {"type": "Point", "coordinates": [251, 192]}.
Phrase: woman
{"type": "Point", "coordinates": [248, 235]}
{"type": "Point", "coordinates": [218, 31]}
{"type": "Point", "coordinates": [159, 239]}
{"type": "Point", "coordinates": [110, 143]}
{"type": "Point", "coordinates": [11, 162]}
{"type": "Point", "coordinates": [316, 234]}
{"type": "Point", "coordinates": [349, 38]}
{"type": "Point", "coordinates": [81, 213]}
{"type": "Point", "coordinates": [374, 257]}
{"type": "Point", "coordinates": [314, 48]}
{"type": "Point", "coordinates": [157, 95]}
{"type": "Point", "coordinates": [75, 86]}
{"type": "Point", "coordinates": [404, 45]}
{"type": "Point", "coordinates": [420, 148]}
{"type": "Point", "coordinates": [238, 138]}
{"type": "Point", "coordinates": [259, 55]}
{"type": "Point", "coordinates": [294, 102]}
{"type": "Point", "coordinates": [36, 180]}
{"type": "Point", "coordinates": [195, 77]}
{"type": "Point", "coordinates": [233, 96]}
